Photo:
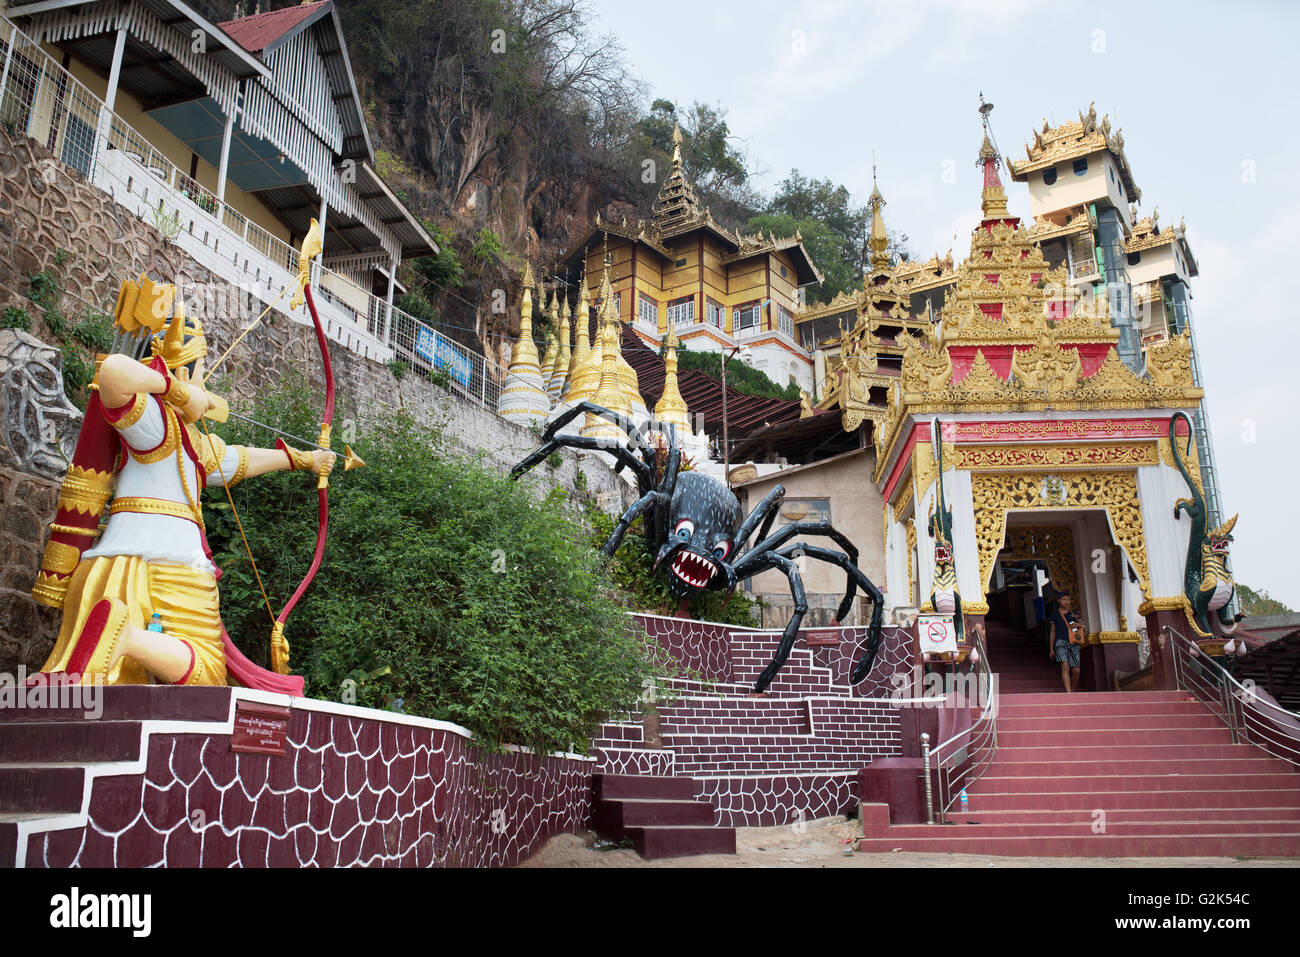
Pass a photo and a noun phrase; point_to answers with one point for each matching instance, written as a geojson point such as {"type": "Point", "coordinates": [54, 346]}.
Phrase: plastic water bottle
{"type": "Point", "coordinates": [155, 623]}
{"type": "Point", "coordinates": [965, 801]}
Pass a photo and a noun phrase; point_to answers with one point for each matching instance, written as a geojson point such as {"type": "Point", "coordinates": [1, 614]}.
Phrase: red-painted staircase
{"type": "Point", "coordinates": [1020, 660]}
{"type": "Point", "coordinates": [1112, 774]}
{"type": "Point", "coordinates": [659, 814]}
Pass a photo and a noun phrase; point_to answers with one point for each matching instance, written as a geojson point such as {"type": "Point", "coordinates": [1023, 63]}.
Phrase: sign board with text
{"type": "Point", "coordinates": [936, 633]}
{"type": "Point", "coordinates": [259, 728]}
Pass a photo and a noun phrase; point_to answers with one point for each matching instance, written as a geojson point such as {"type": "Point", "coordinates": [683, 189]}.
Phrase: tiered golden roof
{"type": "Point", "coordinates": [1071, 140]}
{"type": "Point", "coordinates": [1007, 296]}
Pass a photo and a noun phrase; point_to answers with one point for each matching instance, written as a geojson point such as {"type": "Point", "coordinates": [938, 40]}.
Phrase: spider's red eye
{"type": "Point", "coordinates": [685, 529]}
{"type": "Point", "coordinates": [722, 549]}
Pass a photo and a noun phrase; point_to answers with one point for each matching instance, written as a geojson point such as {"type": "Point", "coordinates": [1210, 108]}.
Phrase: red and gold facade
{"type": "Point", "coordinates": [1053, 450]}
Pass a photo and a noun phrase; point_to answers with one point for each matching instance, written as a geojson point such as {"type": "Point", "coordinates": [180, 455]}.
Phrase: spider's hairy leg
{"type": "Point", "coordinates": [649, 501]}
{"type": "Point", "coordinates": [773, 560]}
{"type": "Point", "coordinates": [765, 512]}
{"type": "Point", "coordinates": [859, 579]}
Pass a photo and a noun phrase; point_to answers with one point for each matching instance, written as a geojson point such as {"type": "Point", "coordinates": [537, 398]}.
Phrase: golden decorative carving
{"type": "Point", "coordinates": [924, 468]}
{"type": "Point", "coordinates": [85, 490]}
{"type": "Point", "coordinates": [1047, 367]}
{"type": "Point", "coordinates": [1052, 544]}
{"type": "Point", "coordinates": [910, 526]}
{"type": "Point", "coordinates": [1115, 492]}
{"type": "Point", "coordinates": [60, 559]}
{"type": "Point", "coordinates": [1120, 637]}
{"type": "Point", "coordinates": [1073, 455]}
{"type": "Point", "coordinates": [1169, 363]}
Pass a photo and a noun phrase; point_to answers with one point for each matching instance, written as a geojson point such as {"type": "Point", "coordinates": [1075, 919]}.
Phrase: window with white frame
{"type": "Point", "coordinates": [681, 312]}
{"type": "Point", "coordinates": [714, 312]}
{"type": "Point", "coordinates": [648, 310]}
{"type": "Point", "coordinates": [785, 321]}
{"type": "Point", "coordinates": [748, 316]}
{"type": "Point", "coordinates": [618, 303]}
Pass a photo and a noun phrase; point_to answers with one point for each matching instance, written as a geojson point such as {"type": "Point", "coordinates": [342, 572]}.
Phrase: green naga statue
{"type": "Point", "coordinates": [944, 595]}
{"type": "Point", "coordinates": [1206, 580]}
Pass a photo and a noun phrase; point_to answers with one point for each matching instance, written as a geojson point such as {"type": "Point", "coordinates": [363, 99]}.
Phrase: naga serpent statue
{"type": "Point", "coordinates": [696, 532]}
{"type": "Point", "coordinates": [1207, 582]}
{"type": "Point", "coordinates": [944, 596]}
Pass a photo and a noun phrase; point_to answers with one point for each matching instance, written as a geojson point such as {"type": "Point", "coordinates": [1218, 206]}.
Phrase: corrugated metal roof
{"type": "Point", "coordinates": [262, 30]}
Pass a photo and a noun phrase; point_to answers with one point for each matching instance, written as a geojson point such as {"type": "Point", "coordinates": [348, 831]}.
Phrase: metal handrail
{"type": "Point", "coordinates": [953, 759]}
{"type": "Point", "coordinates": [1239, 707]}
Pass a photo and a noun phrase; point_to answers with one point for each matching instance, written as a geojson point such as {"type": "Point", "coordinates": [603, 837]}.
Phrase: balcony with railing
{"type": "Point", "coordinates": [41, 99]}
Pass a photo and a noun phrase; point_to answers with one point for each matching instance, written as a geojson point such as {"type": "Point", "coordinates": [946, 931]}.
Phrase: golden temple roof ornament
{"type": "Point", "coordinates": [879, 241]}
{"type": "Point", "coordinates": [1071, 140]}
{"type": "Point", "coordinates": [552, 352]}
{"type": "Point", "coordinates": [671, 407]}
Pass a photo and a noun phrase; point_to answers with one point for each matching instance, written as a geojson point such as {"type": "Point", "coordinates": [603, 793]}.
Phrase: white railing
{"type": "Point", "coordinates": [41, 99]}
{"type": "Point", "coordinates": [963, 759]}
{"type": "Point", "coordinates": [1249, 718]}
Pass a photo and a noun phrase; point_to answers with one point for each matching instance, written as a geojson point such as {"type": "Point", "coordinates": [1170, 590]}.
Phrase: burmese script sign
{"type": "Point", "coordinates": [259, 728]}
{"type": "Point", "coordinates": [1055, 429]}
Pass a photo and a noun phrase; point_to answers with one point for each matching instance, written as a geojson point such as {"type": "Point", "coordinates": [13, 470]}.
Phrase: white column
{"type": "Point", "coordinates": [9, 54]}
{"type": "Point", "coordinates": [388, 301]}
{"type": "Point", "coordinates": [324, 208]}
{"type": "Point", "coordinates": [224, 169]}
{"type": "Point", "coordinates": [110, 95]}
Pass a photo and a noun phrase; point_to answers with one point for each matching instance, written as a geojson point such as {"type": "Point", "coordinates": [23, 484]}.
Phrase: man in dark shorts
{"type": "Point", "coordinates": [1062, 651]}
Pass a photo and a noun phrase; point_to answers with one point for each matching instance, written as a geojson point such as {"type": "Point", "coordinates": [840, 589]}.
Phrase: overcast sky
{"type": "Point", "coordinates": [1205, 95]}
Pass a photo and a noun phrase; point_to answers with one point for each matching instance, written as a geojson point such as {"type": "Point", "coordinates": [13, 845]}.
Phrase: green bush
{"type": "Point", "coordinates": [744, 379]}
{"type": "Point", "coordinates": [16, 318]}
{"type": "Point", "coordinates": [95, 332]}
{"type": "Point", "coordinates": [487, 607]}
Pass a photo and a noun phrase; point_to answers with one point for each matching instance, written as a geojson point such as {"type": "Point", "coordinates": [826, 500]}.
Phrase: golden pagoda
{"type": "Point", "coordinates": [671, 407]}
{"type": "Point", "coordinates": [560, 382]}
{"type": "Point", "coordinates": [523, 398]}
{"type": "Point", "coordinates": [552, 352]}
{"type": "Point", "coordinates": [610, 392]}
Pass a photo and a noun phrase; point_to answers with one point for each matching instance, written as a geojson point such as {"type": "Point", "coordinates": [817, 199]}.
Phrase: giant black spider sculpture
{"type": "Point", "coordinates": [693, 527]}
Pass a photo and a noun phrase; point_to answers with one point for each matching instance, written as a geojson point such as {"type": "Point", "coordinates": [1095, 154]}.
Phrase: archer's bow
{"type": "Point", "coordinates": [311, 248]}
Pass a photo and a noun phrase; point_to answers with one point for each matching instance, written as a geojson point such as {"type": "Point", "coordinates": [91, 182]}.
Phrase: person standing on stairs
{"type": "Point", "coordinates": [1063, 649]}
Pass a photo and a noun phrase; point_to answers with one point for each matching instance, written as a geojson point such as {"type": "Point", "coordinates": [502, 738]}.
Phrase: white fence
{"type": "Point", "coordinates": [40, 98]}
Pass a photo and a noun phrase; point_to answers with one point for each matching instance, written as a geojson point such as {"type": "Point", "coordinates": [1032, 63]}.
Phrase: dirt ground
{"type": "Point", "coordinates": [823, 844]}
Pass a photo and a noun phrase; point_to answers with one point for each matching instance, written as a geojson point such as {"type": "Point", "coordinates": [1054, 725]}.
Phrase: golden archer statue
{"type": "Point", "coordinates": [139, 595]}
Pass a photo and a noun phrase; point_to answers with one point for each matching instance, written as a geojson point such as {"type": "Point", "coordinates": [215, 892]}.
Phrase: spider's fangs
{"type": "Point", "coordinates": [693, 569]}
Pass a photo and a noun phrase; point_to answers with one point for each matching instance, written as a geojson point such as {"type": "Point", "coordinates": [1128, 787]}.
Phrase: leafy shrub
{"type": "Point", "coordinates": [95, 332]}
{"type": "Point", "coordinates": [16, 318]}
{"type": "Point", "coordinates": [487, 607]}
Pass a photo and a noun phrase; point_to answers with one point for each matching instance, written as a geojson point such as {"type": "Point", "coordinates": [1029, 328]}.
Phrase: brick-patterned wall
{"type": "Point", "coordinates": [791, 756]}
{"type": "Point", "coordinates": [46, 206]}
{"type": "Point", "coordinates": [356, 788]}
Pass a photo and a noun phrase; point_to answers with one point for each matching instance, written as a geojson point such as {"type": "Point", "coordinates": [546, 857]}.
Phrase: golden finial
{"type": "Point", "coordinates": [671, 407]}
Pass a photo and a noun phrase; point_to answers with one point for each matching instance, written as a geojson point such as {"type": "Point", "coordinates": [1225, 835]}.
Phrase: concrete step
{"type": "Point", "coordinates": [1210, 824]}
{"type": "Point", "coordinates": [633, 786]}
{"type": "Point", "coordinates": [41, 790]}
{"type": "Point", "coordinates": [1089, 800]}
{"type": "Point", "coordinates": [1097, 845]}
{"type": "Point", "coordinates": [654, 843]}
{"type": "Point", "coordinates": [1113, 737]}
{"type": "Point", "coordinates": [1003, 767]}
{"type": "Point", "coordinates": [612, 818]}
{"type": "Point", "coordinates": [1170, 781]}
{"type": "Point", "coordinates": [71, 741]}
{"type": "Point", "coordinates": [1072, 724]}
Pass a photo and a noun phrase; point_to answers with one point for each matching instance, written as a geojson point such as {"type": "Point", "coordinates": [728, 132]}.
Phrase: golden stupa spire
{"type": "Point", "coordinates": [671, 407]}
{"type": "Point", "coordinates": [586, 378]}
{"type": "Point", "coordinates": [609, 392]}
{"type": "Point", "coordinates": [879, 241]}
{"type": "Point", "coordinates": [523, 397]}
{"type": "Point", "coordinates": [582, 320]}
{"type": "Point", "coordinates": [552, 350]}
{"type": "Point", "coordinates": [560, 384]}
